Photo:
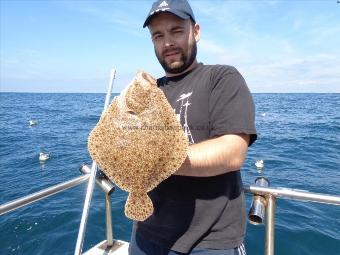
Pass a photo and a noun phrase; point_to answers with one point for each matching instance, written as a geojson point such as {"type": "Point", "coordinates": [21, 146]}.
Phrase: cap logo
{"type": "Point", "coordinates": [179, 8]}
{"type": "Point", "coordinates": [163, 4]}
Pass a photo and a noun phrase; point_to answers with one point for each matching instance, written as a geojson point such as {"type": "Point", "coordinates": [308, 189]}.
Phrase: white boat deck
{"type": "Point", "coordinates": [119, 248]}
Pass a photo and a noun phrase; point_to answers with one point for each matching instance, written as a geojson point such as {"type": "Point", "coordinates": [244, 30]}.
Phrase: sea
{"type": "Point", "coordinates": [298, 140]}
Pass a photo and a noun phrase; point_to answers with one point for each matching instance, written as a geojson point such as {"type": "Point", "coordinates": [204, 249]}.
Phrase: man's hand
{"type": "Point", "coordinates": [215, 156]}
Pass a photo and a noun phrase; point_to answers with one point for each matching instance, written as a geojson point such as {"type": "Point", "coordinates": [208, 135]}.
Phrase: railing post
{"type": "Point", "coordinates": [109, 235]}
{"type": "Point", "coordinates": [92, 180]}
{"type": "Point", "coordinates": [270, 221]}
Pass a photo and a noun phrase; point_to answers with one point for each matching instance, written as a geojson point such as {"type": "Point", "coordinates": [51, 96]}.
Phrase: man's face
{"type": "Point", "coordinates": [174, 42]}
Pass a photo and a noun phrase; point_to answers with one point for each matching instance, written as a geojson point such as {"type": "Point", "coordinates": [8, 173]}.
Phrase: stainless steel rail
{"type": "Point", "coordinates": [294, 194]}
{"type": "Point", "coordinates": [20, 202]}
{"type": "Point", "coordinates": [270, 222]}
{"type": "Point", "coordinates": [270, 195]}
{"type": "Point", "coordinates": [101, 180]}
{"type": "Point", "coordinates": [108, 220]}
{"type": "Point", "coordinates": [92, 180]}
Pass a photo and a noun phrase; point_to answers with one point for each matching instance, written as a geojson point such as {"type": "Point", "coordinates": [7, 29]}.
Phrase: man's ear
{"type": "Point", "coordinates": [197, 32]}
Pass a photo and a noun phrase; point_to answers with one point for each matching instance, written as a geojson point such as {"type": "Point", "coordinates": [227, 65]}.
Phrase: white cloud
{"type": "Point", "coordinates": [317, 73]}
{"type": "Point", "coordinates": [296, 57]}
{"type": "Point", "coordinates": [287, 71]}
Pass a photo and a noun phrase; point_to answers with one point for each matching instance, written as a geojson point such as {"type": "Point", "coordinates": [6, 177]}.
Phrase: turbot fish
{"type": "Point", "coordinates": [138, 142]}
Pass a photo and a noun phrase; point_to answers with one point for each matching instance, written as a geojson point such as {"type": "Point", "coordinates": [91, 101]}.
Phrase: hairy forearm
{"type": "Point", "coordinates": [215, 156]}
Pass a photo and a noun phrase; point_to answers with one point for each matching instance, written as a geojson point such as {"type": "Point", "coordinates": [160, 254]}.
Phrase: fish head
{"type": "Point", "coordinates": [138, 96]}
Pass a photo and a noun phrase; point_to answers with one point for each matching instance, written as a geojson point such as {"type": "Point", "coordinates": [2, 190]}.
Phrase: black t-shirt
{"type": "Point", "coordinates": [207, 212]}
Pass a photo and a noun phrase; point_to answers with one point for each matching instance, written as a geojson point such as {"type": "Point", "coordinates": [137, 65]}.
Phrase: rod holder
{"type": "Point", "coordinates": [257, 209]}
{"type": "Point", "coordinates": [101, 179]}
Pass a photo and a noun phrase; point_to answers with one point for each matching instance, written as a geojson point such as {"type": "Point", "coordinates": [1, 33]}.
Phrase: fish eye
{"type": "Point", "coordinates": [132, 112]}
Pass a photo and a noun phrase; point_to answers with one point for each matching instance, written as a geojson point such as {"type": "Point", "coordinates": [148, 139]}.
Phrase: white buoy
{"type": "Point", "coordinates": [43, 156]}
{"type": "Point", "coordinates": [33, 122]}
{"type": "Point", "coordinates": [259, 164]}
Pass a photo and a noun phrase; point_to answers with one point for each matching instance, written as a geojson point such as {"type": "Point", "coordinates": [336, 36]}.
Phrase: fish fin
{"type": "Point", "coordinates": [138, 206]}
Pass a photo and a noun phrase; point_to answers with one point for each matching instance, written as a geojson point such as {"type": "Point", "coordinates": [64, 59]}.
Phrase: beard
{"type": "Point", "coordinates": [183, 63]}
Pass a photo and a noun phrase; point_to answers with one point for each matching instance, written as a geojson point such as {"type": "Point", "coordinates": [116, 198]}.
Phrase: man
{"type": "Point", "coordinates": [200, 209]}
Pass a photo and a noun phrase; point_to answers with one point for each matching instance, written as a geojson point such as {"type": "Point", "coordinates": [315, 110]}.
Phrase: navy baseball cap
{"type": "Point", "coordinates": [180, 8]}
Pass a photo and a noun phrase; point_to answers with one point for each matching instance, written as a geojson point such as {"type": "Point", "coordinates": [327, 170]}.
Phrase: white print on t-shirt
{"type": "Point", "coordinates": [183, 114]}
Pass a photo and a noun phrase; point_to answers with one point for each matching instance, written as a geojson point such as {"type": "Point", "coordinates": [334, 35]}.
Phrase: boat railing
{"type": "Point", "coordinates": [262, 209]}
{"type": "Point", "coordinates": [31, 198]}
{"type": "Point", "coordinates": [263, 206]}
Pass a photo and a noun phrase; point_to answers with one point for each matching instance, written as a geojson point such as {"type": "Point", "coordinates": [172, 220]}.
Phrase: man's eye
{"type": "Point", "coordinates": [157, 37]}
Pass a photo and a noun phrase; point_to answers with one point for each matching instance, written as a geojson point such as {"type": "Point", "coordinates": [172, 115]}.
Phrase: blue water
{"type": "Point", "coordinates": [298, 140]}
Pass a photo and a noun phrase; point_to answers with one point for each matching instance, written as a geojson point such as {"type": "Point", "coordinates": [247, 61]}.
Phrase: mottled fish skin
{"type": "Point", "coordinates": [138, 95]}
{"type": "Point", "coordinates": [138, 142]}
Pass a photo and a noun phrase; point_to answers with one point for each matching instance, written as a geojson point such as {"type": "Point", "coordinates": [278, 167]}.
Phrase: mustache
{"type": "Point", "coordinates": [171, 50]}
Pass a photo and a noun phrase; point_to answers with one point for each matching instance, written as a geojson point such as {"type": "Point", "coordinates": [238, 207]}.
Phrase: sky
{"type": "Point", "coordinates": [72, 45]}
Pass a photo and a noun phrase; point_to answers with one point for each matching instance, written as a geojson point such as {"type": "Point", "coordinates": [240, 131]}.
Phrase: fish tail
{"type": "Point", "coordinates": [138, 206]}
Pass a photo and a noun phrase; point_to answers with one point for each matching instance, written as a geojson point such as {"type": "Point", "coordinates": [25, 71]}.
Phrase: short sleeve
{"type": "Point", "coordinates": [231, 105]}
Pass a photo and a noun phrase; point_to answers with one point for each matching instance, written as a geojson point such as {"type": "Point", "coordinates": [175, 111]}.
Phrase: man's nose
{"type": "Point", "coordinates": [168, 41]}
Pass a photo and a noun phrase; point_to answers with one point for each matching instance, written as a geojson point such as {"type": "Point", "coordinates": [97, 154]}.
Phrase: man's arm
{"type": "Point", "coordinates": [215, 156]}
